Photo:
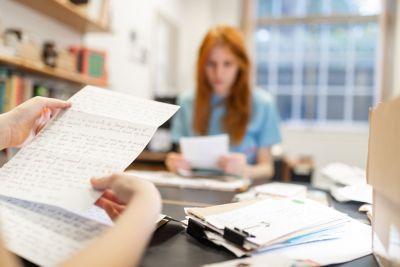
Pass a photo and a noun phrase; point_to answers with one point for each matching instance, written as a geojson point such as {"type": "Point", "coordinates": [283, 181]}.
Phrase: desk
{"type": "Point", "coordinates": [171, 246]}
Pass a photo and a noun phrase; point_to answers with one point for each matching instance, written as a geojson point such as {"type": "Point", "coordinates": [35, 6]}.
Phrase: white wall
{"type": "Point", "coordinates": [396, 76]}
{"type": "Point", "coordinates": [126, 74]}
{"type": "Point", "coordinates": [36, 25]}
{"type": "Point", "coordinates": [326, 146]}
{"type": "Point", "coordinates": [198, 17]}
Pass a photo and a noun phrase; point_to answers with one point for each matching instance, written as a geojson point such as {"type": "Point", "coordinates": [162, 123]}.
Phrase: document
{"type": "Point", "coordinates": [344, 174]}
{"type": "Point", "coordinates": [355, 243]}
{"type": "Point", "coordinates": [203, 152]}
{"type": "Point", "coordinates": [48, 235]}
{"type": "Point", "coordinates": [102, 133]}
{"type": "Point", "coordinates": [45, 235]}
{"type": "Point", "coordinates": [270, 219]}
{"type": "Point", "coordinates": [172, 179]}
{"type": "Point", "coordinates": [356, 192]}
{"type": "Point", "coordinates": [282, 190]}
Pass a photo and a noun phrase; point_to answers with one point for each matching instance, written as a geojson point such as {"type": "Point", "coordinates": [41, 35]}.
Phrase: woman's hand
{"type": "Point", "coordinates": [233, 163]}
{"type": "Point", "coordinates": [27, 119]}
{"type": "Point", "coordinates": [175, 162]}
{"type": "Point", "coordinates": [121, 190]}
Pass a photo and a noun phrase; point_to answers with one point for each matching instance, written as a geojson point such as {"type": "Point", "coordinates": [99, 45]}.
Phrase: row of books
{"type": "Point", "coordinates": [16, 88]}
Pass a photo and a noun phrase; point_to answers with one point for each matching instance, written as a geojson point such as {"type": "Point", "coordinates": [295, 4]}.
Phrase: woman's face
{"type": "Point", "coordinates": [221, 70]}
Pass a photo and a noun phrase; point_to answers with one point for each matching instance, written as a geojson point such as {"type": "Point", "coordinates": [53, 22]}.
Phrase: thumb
{"type": "Point", "coordinates": [102, 183]}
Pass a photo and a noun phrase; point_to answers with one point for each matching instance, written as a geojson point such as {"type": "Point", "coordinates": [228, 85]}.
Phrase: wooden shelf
{"type": "Point", "coordinates": [43, 70]}
{"type": "Point", "coordinates": [67, 13]}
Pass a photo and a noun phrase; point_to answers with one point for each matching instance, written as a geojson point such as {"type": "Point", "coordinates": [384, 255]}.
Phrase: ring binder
{"type": "Point", "coordinates": [196, 229]}
{"type": "Point", "coordinates": [235, 236]}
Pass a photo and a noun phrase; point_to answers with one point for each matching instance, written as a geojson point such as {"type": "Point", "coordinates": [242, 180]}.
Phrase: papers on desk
{"type": "Point", "coordinates": [204, 151]}
{"type": "Point", "coordinates": [277, 225]}
{"type": "Point", "coordinates": [103, 132]}
{"type": "Point", "coordinates": [273, 189]}
{"type": "Point", "coordinates": [355, 243]}
{"type": "Point", "coordinates": [227, 183]}
{"type": "Point", "coordinates": [357, 192]}
{"type": "Point", "coordinates": [350, 183]}
{"type": "Point", "coordinates": [344, 174]}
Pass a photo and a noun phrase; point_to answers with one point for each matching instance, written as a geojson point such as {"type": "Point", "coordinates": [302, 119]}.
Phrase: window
{"type": "Point", "coordinates": [318, 57]}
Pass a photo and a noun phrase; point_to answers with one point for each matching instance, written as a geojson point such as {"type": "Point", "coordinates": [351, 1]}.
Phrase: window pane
{"type": "Point", "coordinates": [289, 7]}
{"type": "Point", "coordinates": [314, 7]}
{"type": "Point", "coordinates": [336, 75]}
{"type": "Point", "coordinates": [285, 75]}
{"type": "Point", "coordinates": [356, 7]}
{"type": "Point", "coordinates": [310, 74]}
{"type": "Point", "coordinates": [335, 108]}
{"type": "Point", "coordinates": [335, 62]}
{"type": "Point", "coordinates": [364, 74]}
{"type": "Point", "coordinates": [309, 107]}
{"type": "Point", "coordinates": [365, 38]}
{"type": "Point", "coordinates": [284, 103]}
{"type": "Point", "coordinates": [317, 7]}
{"type": "Point", "coordinates": [338, 41]}
{"type": "Point", "coordinates": [262, 74]}
{"type": "Point", "coordinates": [312, 36]}
{"type": "Point", "coordinates": [361, 107]}
{"type": "Point", "coordinates": [286, 46]}
{"type": "Point", "coordinates": [264, 8]}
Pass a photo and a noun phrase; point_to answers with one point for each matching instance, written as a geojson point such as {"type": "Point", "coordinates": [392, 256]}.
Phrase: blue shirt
{"type": "Point", "coordinates": [262, 131]}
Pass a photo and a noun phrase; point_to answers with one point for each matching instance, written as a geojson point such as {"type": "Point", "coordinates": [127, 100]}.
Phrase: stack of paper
{"type": "Point", "coordinates": [350, 183]}
{"type": "Point", "coordinates": [102, 133]}
{"type": "Point", "coordinates": [274, 189]}
{"type": "Point", "coordinates": [227, 183]}
{"type": "Point", "coordinates": [256, 226]}
{"type": "Point", "coordinates": [355, 243]}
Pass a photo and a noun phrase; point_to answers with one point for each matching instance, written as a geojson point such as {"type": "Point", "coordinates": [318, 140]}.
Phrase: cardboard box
{"type": "Point", "coordinates": [383, 173]}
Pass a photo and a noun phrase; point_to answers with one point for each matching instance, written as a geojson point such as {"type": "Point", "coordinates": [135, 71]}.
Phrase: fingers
{"type": "Point", "coordinates": [176, 161]}
{"type": "Point", "coordinates": [110, 195]}
{"type": "Point", "coordinates": [113, 210]}
{"type": "Point", "coordinates": [102, 183]}
{"type": "Point", "coordinates": [52, 103]}
{"type": "Point", "coordinates": [234, 163]}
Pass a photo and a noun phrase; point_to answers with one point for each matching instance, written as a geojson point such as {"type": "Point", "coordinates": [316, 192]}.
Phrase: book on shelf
{"type": "Point", "coordinates": [16, 88]}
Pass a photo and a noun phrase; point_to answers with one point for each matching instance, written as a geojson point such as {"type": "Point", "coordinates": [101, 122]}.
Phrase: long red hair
{"type": "Point", "coordinates": [238, 102]}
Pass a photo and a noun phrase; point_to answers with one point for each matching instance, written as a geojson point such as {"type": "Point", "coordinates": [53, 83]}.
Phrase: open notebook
{"type": "Point", "coordinates": [47, 210]}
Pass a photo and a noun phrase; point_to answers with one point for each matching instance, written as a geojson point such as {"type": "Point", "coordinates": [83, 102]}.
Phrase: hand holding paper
{"type": "Point", "coordinates": [204, 152]}
{"type": "Point", "coordinates": [102, 133]}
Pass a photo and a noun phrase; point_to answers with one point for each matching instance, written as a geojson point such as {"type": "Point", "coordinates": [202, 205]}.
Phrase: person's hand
{"type": "Point", "coordinates": [121, 190]}
{"type": "Point", "coordinates": [233, 163]}
{"type": "Point", "coordinates": [175, 162]}
{"type": "Point", "coordinates": [27, 119]}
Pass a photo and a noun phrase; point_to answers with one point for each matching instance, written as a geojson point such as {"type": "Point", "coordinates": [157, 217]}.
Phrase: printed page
{"type": "Point", "coordinates": [172, 179]}
{"type": "Point", "coordinates": [204, 152]}
{"type": "Point", "coordinates": [111, 104]}
{"type": "Point", "coordinates": [48, 235]}
{"type": "Point", "coordinates": [56, 167]}
{"type": "Point", "coordinates": [270, 219]}
{"type": "Point", "coordinates": [42, 234]}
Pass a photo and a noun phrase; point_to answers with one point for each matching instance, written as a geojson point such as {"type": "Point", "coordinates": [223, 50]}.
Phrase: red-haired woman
{"type": "Point", "coordinates": [224, 102]}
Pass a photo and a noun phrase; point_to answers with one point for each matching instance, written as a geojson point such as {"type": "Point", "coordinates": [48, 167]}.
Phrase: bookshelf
{"type": "Point", "coordinates": [67, 13]}
{"type": "Point", "coordinates": [40, 69]}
